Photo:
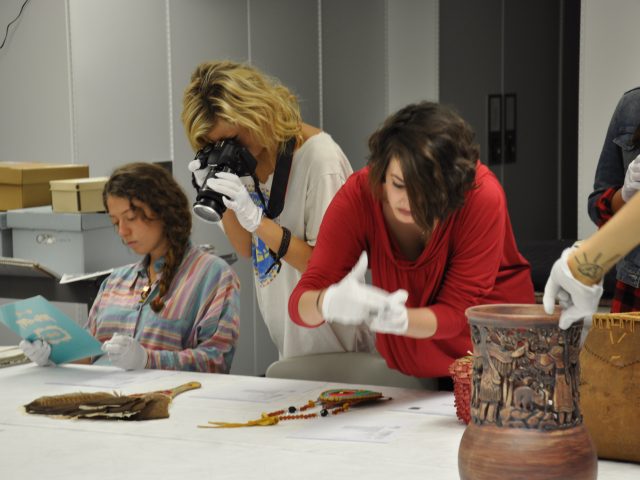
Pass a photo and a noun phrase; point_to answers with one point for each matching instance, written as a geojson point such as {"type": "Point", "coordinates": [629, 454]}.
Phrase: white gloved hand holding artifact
{"type": "Point", "coordinates": [578, 301]}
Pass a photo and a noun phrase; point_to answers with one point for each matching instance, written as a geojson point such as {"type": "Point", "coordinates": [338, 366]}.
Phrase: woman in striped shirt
{"type": "Point", "coordinates": [177, 308]}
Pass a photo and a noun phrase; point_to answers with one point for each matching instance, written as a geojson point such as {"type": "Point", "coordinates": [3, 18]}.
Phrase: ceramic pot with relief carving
{"type": "Point", "coordinates": [525, 404]}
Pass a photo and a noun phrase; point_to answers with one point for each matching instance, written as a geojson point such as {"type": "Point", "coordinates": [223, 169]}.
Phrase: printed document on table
{"type": "Point", "coordinates": [373, 429]}
{"type": "Point", "coordinates": [36, 318]}
{"type": "Point", "coordinates": [435, 403]}
{"type": "Point", "coordinates": [260, 390]}
{"type": "Point", "coordinates": [98, 378]}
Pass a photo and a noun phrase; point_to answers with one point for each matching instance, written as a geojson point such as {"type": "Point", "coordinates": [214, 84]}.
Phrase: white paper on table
{"type": "Point", "coordinates": [354, 429]}
{"type": "Point", "coordinates": [76, 277]}
{"type": "Point", "coordinates": [437, 403]}
{"type": "Point", "coordinates": [117, 379]}
{"type": "Point", "coordinates": [259, 391]}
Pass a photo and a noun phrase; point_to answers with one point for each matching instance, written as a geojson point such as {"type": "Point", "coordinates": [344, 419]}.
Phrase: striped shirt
{"type": "Point", "coordinates": [196, 330]}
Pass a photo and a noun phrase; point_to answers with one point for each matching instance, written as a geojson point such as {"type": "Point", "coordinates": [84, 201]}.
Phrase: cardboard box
{"type": "Point", "coordinates": [26, 184]}
{"type": "Point", "coordinates": [67, 242]}
{"type": "Point", "coordinates": [78, 195]}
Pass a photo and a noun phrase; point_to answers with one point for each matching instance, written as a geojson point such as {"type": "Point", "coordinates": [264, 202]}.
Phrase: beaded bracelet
{"type": "Point", "coordinates": [282, 250]}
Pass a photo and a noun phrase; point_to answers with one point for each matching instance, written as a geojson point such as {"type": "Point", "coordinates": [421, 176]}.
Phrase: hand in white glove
{"type": "Point", "coordinates": [125, 352]}
{"type": "Point", "coordinates": [577, 300]}
{"type": "Point", "coordinates": [394, 318]}
{"type": "Point", "coordinates": [631, 180]}
{"type": "Point", "coordinates": [351, 301]}
{"type": "Point", "coordinates": [37, 351]}
{"type": "Point", "coordinates": [199, 174]}
{"type": "Point", "coordinates": [237, 198]}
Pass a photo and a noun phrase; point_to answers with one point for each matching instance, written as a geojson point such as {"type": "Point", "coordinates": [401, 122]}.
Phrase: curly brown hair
{"type": "Point", "coordinates": [154, 186]}
{"type": "Point", "coordinates": [437, 155]}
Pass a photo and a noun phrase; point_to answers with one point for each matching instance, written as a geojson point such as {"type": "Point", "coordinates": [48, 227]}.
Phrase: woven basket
{"type": "Point", "coordinates": [610, 385]}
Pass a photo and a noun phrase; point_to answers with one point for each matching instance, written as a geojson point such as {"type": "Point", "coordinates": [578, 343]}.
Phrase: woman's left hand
{"type": "Point", "coordinates": [237, 198]}
{"type": "Point", "coordinates": [395, 317]}
{"type": "Point", "coordinates": [125, 352]}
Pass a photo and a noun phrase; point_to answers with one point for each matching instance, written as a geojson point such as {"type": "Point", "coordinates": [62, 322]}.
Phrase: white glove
{"type": "Point", "coordinates": [38, 352]}
{"type": "Point", "coordinates": [577, 300]}
{"type": "Point", "coordinates": [239, 200]}
{"type": "Point", "coordinates": [125, 352]}
{"type": "Point", "coordinates": [199, 174]}
{"type": "Point", "coordinates": [631, 180]}
{"type": "Point", "coordinates": [351, 301]}
{"type": "Point", "coordinates": [395, 318]}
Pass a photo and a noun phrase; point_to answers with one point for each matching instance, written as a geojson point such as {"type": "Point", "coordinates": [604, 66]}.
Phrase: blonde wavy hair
{"type": "Point", "coordinates": [243, 96]}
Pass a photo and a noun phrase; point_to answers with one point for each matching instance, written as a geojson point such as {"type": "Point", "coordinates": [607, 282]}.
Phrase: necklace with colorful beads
{"type": "Point", "coordinates": [332, 402]}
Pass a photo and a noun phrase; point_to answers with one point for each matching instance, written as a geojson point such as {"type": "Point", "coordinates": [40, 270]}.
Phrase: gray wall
{"type": "Point", "coordinates": [100, 82]}
{"type": "Point", "coordinates": [606, 72]}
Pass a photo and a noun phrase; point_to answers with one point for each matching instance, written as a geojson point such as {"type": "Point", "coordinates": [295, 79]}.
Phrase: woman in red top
{"type": "Point", "coordinates": [433, 222]}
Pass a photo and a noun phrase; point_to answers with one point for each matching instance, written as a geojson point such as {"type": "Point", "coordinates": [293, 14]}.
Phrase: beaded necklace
{"type": "Point", "coordinates": [332, 402]}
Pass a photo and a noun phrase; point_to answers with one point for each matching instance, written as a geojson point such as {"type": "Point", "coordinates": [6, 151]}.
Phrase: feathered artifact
{"type": "Point", "coordinates": [104, 405]}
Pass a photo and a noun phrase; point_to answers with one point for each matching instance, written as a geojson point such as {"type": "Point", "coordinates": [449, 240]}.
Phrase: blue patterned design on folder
{"type": "Point", "coordinates": [36, 318]}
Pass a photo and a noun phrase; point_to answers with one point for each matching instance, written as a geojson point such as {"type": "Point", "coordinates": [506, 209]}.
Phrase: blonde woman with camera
{"type": "Point", "coordinates": [227, 101]}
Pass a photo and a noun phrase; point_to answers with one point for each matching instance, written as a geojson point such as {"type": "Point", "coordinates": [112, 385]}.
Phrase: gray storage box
{"type": "Point", "coordinates": [67, 242]}
{"type": "Point", "coordinates": [6, 244]}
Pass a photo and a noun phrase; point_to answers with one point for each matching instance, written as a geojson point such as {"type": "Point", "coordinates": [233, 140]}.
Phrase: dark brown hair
{"type": "Point", "coordinates": [437, 155]}
{"type": "Point", "coordinates": [154, 186]}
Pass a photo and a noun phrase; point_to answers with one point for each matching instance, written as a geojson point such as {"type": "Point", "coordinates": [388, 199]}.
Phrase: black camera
{"type": "Point", "coordinates": [223, 156]}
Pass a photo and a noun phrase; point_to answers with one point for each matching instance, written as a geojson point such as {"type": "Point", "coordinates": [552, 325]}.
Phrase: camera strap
{"type": "Point", "coordinates": [279, 183]}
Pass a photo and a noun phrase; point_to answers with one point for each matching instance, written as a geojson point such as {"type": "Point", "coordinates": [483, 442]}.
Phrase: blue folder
{"type": "Point", "coordinates": [36, 318]}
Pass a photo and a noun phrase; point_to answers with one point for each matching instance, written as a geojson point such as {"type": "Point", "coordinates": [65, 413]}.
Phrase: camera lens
{"type": "Point", "coordinates": [206, 213]}
{"type": "Point", "coordinates": [209, 206]}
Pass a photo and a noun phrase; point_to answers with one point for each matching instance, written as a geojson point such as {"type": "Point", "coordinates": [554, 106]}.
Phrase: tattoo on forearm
{"type": "Point", "coordinates": [595, 269]}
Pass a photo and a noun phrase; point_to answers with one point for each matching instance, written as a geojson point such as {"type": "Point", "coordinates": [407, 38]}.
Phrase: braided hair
{"type": "Point", "coordinates": [154, 186]}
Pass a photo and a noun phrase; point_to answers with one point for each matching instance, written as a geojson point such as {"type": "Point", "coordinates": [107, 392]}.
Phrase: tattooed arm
{"type": "Point", "coordinates": [597, 254]}
{"type": "Point", "coordinates": [576, 277]}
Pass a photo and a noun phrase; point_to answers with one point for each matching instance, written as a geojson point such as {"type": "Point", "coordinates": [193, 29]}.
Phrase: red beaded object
{"type": "Point", "coordinates": [461, 372]}
{"type": "Point", "coordinates": [333, 402]}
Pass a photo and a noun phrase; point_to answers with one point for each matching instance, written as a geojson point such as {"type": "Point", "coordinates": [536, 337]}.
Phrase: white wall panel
{"type": "Point", "coordinates": [284, 42]}
{"type": "Point", "coordinates": [34, 83]}
{"type": "Point", "coordinates": [120, 82]}
{"type": "Point", "coordinates": [412, 51]}
{"type": "Point", "coordinates": [354, 73]}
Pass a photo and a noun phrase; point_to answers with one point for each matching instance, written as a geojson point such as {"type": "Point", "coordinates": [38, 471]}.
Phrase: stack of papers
{"type": "Point", "coordinates": [11, 355]}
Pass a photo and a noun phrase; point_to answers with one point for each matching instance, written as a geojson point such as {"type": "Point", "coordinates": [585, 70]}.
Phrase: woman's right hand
{"type": "Point", "coordinates": [37, 351]}
{"type": "Point", "coordinates": [199, 175]}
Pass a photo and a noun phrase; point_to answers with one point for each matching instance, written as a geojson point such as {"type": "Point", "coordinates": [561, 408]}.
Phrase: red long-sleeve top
{"type": "Point", "coordinates": [470, 259]}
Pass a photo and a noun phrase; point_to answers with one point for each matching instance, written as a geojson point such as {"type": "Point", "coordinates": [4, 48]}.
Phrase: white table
{"type": "Point", "coordinates": [422, 445]}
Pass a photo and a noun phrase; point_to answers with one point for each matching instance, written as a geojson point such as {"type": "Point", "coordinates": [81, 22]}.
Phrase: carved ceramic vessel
{"type": "Point", "coordinates": [525, 406]}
